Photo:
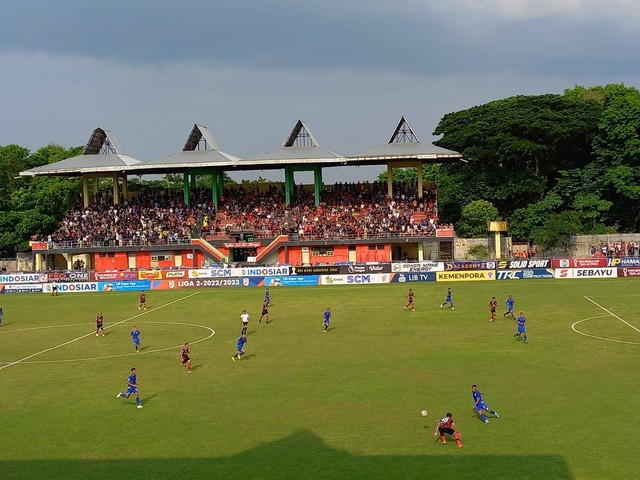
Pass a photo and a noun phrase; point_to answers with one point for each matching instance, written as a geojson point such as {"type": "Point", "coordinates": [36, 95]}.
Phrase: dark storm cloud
{"type": "Point", "coordinates": [282, 35]}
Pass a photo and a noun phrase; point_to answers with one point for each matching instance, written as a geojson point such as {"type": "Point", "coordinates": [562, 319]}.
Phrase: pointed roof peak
{"type": "Point", "coordinates": [200, 138]}
{"type": "Point", "coordinates": [102, 142]}
{"type": "Point", "coordinates": [300, 136]}
{"type": "Point", "coordinates": [403, 133]}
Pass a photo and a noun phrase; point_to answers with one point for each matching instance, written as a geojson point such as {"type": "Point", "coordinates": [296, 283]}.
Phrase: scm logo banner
{"type": "Point", "coordinates": [469, 276]}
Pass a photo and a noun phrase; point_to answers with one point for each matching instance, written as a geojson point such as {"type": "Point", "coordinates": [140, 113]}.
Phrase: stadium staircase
{"type": "Point", "coordinates": [208, 248]}
{"type": "Point", "coordinates": [269, 248]}
{"type": "Point", "coordinates": [419, 216]}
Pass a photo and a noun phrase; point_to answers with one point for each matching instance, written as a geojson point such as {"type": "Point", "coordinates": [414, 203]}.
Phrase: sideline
{"type": "Point", "coordinates": [91, 333]}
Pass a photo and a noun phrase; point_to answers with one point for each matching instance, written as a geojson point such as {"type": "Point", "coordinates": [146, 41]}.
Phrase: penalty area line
{"type": "Point", "coordinates": [613, 314]}
{"type": "Point", "coordinates": [91, 333]}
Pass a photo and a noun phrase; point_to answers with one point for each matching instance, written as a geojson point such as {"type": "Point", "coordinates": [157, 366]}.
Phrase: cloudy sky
{"type": "Point", "coordinates": [147, 70]}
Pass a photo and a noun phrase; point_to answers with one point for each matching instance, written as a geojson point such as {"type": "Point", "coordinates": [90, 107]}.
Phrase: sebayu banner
{"type": "Point", "coordinates": [525, 273]}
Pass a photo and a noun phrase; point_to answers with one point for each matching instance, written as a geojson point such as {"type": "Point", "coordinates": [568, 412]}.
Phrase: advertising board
{"type": "Point", "coordinates": [480, 275]}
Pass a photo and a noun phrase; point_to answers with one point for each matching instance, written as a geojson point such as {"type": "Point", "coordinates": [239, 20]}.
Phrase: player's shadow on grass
{"type": "Point", "coordinates": [313, 459]}
{"type": "Point", "coordinates": [247, 357]}
{"type": "Point", "coordinates": [145, 400]}
{"type": "Point", "coordinates": [144, 347]}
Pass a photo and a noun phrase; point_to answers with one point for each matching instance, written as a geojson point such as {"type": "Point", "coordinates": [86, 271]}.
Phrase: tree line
{"type": "Point", "coordinates": [552, 165]}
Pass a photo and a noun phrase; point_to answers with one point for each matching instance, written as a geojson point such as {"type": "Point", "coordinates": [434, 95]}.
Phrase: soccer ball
{"type": "Point", "coordinates": [424, 413]}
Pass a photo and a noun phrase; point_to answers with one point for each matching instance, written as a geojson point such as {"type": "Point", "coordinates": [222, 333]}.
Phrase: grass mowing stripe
{"type": "Point", "coordinates": [91, 333]}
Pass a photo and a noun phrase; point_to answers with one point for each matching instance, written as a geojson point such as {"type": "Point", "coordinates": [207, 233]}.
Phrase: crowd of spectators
{"type": "Point", "coordinates": [155, 217]}
{"type": "Point", "coordinates": [350, 210]}
{"type": "Point", "coordinates": [616, 249]}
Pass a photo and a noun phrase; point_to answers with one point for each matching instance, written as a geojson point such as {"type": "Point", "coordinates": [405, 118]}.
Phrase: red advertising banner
{"type": "Point", "coordinates": [629, 272]}
{"type": "Point", "coordinates": [149, 275]}
{"type": "Point", "coordinates": [578, 262]}
{"type": "Point", "coordinates": [108, 276]}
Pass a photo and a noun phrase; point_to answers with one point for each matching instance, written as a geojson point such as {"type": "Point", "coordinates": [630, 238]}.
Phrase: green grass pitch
{"type": "Point", "coordinates": [305, 404]}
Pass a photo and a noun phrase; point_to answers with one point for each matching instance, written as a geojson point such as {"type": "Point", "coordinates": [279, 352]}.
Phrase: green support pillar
{"type": "Point", "coordinates": [193, 181]}
{"type": "Point", "coordinates": [317, 183]}
{"type": "Point", "coordinates": [185, 188]}
{"type": "Point", "coordinates": [214, 189]}
{"type": "Point", "coordinates": [289, 184]}
{"type": "Point", "coordinates": [221, 183]}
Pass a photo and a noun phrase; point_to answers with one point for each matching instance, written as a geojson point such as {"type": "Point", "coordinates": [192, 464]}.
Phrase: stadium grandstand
{"type": "Point", "coordinates": [258, 223]}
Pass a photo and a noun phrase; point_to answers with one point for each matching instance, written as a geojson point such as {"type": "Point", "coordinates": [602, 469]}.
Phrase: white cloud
{"type": "Point", "coordinates": [531, 9]}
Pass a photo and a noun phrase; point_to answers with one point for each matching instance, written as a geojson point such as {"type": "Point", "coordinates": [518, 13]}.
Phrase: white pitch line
{"type": "Point", "coordinates": [575, 329]}
{"type": "Point", "coordinates": [613, 314]}
{"type": "Point", "coordinates": [88, 334]}
{"type": "Point", "coordinates": [146, 352]}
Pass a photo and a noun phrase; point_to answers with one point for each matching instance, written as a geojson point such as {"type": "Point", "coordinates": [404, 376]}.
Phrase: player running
{"type": "Point", "coordinates": [410, 301]}
{"type": "Point", "coordinates": [242, 339]}
{"type": "Point", "coordinates": [143, 301]}
{"type": "Point", "coordinates": [132, 388]}
{"type": "Point", "coordinates": [327, 319]}
{"type": "Point", "coordinates": [493, 304]}
{"type": "Point", "coordinates": [448, 300]}
{"type": "Point", "coordinates": [510, 302]}
{"type": "Point", "coordinates": [522, 330]}
{"type": "Point", "coordinates": [267, 296]}
{"type": "Point", "coordinates": [265, 312]}
{"type": "Point", "coordinates": [447, 426]}
{"type": "Point", "coordinates": [135, 336]}
{"type": "Point", "coordinates": [186, 360]}
{"type": "Point", "coordinates": [244, 318]}
{"type": "Point", "coordinates": [480, 406]}
{"type": "Point", "coordinates": [99, 324]}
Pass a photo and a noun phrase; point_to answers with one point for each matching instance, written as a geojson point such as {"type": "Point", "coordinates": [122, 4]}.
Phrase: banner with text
{"type": "Point", "coordinates": [417, 267]}
{"type": "Point", "coordinates": [414, 277]}
{"type": "Point", "coordinates": [355, 279]}
{"type": "Point", "coordinates": [523, 264]}
{"type": "Point", "coordinates": [525, 273]}
{"type": "Point", "coordinates": [466, 276]}
{"type": "Point", "coordinates": [563, 273]}
{"type": "Point", "coordinates": [470, 265]}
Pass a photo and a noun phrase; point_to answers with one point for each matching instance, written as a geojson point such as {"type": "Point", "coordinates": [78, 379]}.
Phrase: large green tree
{"type": "Point", "coordinates": [30, 206]}
{"type": "Point", "coordinates": [515, 147]}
